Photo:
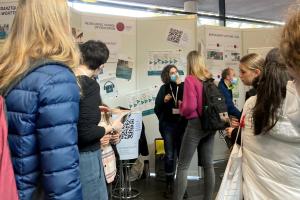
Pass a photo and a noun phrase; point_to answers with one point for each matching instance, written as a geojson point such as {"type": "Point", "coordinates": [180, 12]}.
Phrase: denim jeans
{"type": "Point", "coordinates": [193, 136]}
{"type": "Point", "coordinates": [92, 176]}
{"type": "Point", "coordinates": [172, 134]}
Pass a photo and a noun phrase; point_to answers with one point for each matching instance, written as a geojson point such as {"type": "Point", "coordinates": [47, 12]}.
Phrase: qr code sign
{"type": "Point", "coordinates": [127, 130]}
{"type": "Point", "coordinates": [175, 35]}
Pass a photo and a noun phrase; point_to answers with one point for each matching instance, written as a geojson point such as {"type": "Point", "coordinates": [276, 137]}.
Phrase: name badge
{"type": "Point", "coordinates": [175, 111]}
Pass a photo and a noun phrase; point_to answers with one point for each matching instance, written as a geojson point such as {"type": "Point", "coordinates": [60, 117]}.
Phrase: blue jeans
{"type": "Point", "coordinates": [172, 134]}
{"type": "Point", "coordinates": [194, 136]}
{"type": "Point", "coordinates": [92, 176]}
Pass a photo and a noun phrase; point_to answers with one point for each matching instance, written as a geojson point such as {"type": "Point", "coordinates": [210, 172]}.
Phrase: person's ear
{"type": "Point", "coordinates": [257, 72]}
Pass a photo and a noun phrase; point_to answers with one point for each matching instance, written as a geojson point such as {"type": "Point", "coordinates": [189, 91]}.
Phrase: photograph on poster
{"type": "Point", "coordinates": [124, 69]}
{"type": "Point", "coordinates": [4, 28]}
{"type": "Point", "coordinates": [78, 35]}
{"type": "Point", "coordinates": [235, 56]}
{"type": "Point", "coordinates": [214, 55]}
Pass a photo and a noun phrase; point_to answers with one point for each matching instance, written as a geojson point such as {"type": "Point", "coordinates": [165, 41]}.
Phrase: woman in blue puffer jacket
{"type": "Point", "coordinates": [42, 101]}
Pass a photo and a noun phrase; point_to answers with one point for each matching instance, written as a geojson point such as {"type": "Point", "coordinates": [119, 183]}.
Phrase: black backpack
{"type": "Point", "coordinates": [214, 115]}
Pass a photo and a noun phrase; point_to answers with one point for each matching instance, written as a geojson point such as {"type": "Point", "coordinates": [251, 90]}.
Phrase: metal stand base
{"type": "Point", "coordinates": [123, 188]}
{"type": "Point", "coordinates": [125, 193]}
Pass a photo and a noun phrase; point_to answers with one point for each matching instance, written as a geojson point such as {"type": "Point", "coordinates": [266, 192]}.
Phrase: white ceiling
{"type": "Point", "coordinates": [274, 10]}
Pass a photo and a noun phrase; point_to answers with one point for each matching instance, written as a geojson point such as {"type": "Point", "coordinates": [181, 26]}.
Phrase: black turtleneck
{"type": "Point", "coordinates": [89, 133]}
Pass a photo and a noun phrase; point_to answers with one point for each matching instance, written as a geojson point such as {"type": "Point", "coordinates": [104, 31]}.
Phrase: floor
{"type": "Point", "coordinates": [151, 189]}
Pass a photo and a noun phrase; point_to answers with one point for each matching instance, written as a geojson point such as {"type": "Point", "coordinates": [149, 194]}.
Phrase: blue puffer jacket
{"type": "Point", "coordinates": [42, 115]}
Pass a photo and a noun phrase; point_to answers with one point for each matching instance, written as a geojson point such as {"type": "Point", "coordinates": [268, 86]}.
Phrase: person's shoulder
{"type": "Point", "coordinates": [221, 83]}
{"type": "Point", "coordinates": [292, 100]}
{"type": "Point", "coordinates": [52, 69]}
{"type": "Point", "coordinates": [190, 79]}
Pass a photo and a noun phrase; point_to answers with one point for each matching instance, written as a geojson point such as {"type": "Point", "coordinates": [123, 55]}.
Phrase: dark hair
{"type": "Point", "coordinates": [165, 77]}
{"type": "Point", "coordinates": [271, 92]}
{"type": "Point", "coordinates": [225, 72]}
{"type": "Point", "coordinates": [93, 53]}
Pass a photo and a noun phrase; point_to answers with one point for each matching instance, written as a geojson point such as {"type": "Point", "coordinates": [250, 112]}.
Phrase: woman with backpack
{"type": "Point", "coordinates": [191, 109]}
{"type": "Point", "coordinates": [42, 100]}
{"type": "Point", "coordinates": [171, 124]}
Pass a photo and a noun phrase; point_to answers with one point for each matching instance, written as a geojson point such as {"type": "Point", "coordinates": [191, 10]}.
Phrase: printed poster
{"type": "Point", "coordinates": [223, 50]}
{"type": "Point", "coordinates": [128, 148]}
{"type": "Point", "coordinates": [7, 12]}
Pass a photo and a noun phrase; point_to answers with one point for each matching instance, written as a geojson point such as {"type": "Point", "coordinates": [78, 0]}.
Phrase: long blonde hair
{"type": "Point", "coordinates": [40, 30]}
{"type": "Point", "coordinates": [253, 61]}
{"type": "Point", "coordinates": [196, 66]}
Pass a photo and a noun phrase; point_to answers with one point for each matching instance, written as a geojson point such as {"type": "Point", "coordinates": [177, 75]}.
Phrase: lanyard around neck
{"type": "Point", "coordinates": [174, 97]}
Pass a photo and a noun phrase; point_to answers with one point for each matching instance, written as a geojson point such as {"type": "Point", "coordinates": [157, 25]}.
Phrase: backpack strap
{"type": "Point", "coordinates": [33, 66]}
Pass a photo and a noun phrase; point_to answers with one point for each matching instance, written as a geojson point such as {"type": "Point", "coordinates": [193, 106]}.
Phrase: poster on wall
{"type": "Point", "coordinates": [178, 36]}
{"type": "Point", "coordinates": [223, 50]}
{"type": "Point", "coordinates": [143, 101]}
{"type": "Point", "coordinates": [7, 12]}
{"type": "Point", "coordinates": [157, 60]}
{"type": "Point", "coordinates": [108, 87]}
{"type": "Point", "coordinates": [128, 148]}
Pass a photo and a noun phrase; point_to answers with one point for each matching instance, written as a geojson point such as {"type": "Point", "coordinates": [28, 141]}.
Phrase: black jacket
{"type": "Point", "coordinates": [163, 110]}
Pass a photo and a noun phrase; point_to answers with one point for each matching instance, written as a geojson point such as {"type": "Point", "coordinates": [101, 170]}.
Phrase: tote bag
{"type": "Point", "coordinates": [232, 182]}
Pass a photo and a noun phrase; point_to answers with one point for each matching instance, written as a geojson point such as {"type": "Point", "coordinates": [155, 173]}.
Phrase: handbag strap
{"type": "Point", "coordinates": [242, 123]}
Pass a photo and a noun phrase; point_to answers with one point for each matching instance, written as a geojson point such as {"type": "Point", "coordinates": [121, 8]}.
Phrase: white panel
{"type": "Point", "coordinates": [152, 36]}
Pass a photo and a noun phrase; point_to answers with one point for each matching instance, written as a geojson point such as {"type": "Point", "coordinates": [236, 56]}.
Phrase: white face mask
{"type": "Point", "coordinates": [234, 81]}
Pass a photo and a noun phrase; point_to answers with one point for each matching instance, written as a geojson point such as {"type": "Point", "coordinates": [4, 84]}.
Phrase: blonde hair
{"type": "Point", "coordinates": [290, 38]}
{"type": "Point", "coordinates": [253, 61]}
{"type": "Point", "coordinates": [196, 66]}
{"type": "Point", "coordinates": [40, 30]}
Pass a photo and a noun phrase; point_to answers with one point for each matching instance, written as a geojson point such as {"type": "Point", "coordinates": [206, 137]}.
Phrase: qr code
{"type": "Point", "coordinates": [175, 35]}
{"type": "Point", "coordinates": [127, 130]}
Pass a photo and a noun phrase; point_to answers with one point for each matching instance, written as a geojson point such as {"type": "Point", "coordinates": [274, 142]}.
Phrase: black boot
{"type": "Point", "coordinates": [185, 196]}
{"type": "Point", "coordinates": [169, 187]}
